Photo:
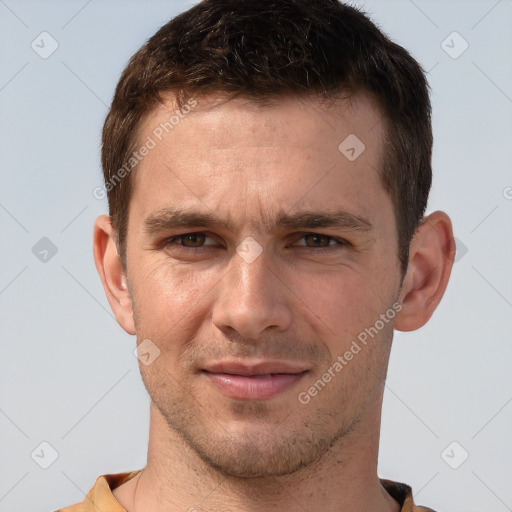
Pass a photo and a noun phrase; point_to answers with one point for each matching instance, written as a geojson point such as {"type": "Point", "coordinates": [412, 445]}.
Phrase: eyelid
{"type": "Point", "coordinates": [173, 238]}
{"type": "Point", "coordinates": [340, 241]}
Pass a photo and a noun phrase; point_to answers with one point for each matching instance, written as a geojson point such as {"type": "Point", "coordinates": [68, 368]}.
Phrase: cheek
{"type": "Point", "coordinates": [341, 303]}
{"type": "Point", "coordinates": [168, 298]}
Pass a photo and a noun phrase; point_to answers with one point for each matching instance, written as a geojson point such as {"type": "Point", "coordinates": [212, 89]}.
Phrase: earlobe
{"type": "Point", "coordinates": [112, 275]}
{"type": "Point", "coordinates": [431, 256]}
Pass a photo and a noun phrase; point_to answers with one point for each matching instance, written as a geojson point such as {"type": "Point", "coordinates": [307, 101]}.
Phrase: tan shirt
{"type": "Point", "coordinates": [101, 499]}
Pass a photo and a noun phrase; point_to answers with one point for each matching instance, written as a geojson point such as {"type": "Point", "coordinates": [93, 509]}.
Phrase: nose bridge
{"type": "Point", "coordinates": [250, 298]}
{"type": "Point", "coordinates": [253, 275]}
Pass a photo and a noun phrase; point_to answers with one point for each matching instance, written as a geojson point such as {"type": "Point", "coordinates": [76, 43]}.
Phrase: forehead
{"type": "Point", "coordinates": [299, 119]}
{"type": "Point", "coordinates": [222, 153]}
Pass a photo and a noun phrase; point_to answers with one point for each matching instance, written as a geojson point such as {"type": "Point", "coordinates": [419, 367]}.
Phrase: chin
{"type": "Point", "coordinates": [251, 439]}
{"type": "Point", "coordinates": [258, 450]}
{"type": "Point", "coordinates": [246, 458]}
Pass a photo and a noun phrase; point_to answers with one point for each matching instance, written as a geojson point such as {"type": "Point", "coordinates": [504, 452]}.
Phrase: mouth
{"type": "Point", "coordinates": [260, 381]}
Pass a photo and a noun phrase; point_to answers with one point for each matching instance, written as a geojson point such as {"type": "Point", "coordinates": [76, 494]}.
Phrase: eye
{"type": "Point", "coordinates": [200, 240]}
{"type": "Point", "coordinates": [190, 240]}
{"type": "Point", "coordinates": [313, 240]}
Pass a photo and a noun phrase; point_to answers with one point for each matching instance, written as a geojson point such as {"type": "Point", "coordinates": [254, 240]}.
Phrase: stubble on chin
{"type": "Point", "coordinates": [263, 448]}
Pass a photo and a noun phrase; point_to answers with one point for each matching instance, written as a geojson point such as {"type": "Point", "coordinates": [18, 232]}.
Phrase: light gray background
{"type": "Point", "coordinates": [68, 375]}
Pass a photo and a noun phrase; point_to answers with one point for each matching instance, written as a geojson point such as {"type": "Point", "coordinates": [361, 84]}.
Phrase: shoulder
{"type": "Point", "coordinates": [402, 493]}
{"type": "Point", "coordinates": [100, 497]}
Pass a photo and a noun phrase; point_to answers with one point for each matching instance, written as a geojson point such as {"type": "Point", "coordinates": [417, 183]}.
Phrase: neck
{"type": "Point", "coordinates": [344, 479]}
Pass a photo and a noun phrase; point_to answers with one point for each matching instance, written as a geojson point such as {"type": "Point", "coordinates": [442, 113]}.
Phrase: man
{"type": "Point", "coordinates": [267, 167]}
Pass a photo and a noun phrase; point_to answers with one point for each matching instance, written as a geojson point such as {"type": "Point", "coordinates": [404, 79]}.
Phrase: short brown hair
{"type": "Point", "coordinates": [269, 48]}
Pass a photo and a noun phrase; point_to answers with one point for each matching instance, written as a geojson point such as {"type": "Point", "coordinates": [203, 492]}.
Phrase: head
{"type": "Point", "coordinates": [244, 235]}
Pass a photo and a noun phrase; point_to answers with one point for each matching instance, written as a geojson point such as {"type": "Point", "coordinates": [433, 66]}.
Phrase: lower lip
{"type": "Point", "coordinates": [253, 388]}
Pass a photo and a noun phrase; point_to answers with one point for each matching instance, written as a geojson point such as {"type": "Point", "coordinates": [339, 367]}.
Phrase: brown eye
{"type": "Point", "coordinates": [320, 242]}
{"type": "Point", "coordinates": [317, 240]}
{"type": "Point", "coordinates": [192, 239]}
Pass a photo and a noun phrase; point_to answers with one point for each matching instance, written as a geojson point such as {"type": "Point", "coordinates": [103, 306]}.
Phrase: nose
{"type": "Point", "coordinates": [252, 299]}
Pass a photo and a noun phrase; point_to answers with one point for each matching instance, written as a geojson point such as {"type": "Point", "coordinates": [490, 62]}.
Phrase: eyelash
{"type": "Point", "coordinates": [340, 241]}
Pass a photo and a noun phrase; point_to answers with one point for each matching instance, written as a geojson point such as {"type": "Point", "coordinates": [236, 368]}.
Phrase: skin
{"type": "Point", "coordinates": [303, 300]}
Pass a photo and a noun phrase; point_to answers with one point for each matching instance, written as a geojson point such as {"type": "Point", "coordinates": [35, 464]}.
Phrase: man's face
{"type": "Point", "coordinates": [226, 310]}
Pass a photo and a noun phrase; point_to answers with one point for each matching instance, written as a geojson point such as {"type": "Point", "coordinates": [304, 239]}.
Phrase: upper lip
{"type": "Point", "coordinates": [250, 369]}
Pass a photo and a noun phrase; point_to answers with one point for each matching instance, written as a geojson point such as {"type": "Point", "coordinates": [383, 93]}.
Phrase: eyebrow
{"type": "Point", "coordinates": [173, 218]}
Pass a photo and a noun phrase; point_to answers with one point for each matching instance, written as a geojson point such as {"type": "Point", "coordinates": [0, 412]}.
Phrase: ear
{"type": "Point", "coordinates": [431, 256]}
{"type": "Point", "coordinates": [110, 269]}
